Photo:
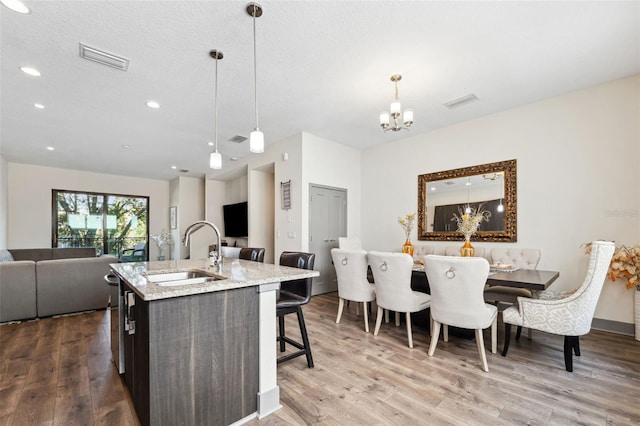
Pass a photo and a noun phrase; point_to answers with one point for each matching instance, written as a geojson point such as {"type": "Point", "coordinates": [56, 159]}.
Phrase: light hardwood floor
{"type": "Point", "coordinates": [58, 371]}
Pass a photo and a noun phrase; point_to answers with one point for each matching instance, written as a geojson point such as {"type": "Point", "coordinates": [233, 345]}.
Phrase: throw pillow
{"type": "Point", "coordinates": [5, 256]}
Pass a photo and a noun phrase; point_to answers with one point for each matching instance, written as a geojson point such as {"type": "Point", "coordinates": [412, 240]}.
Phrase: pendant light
{"type": "Point", "coordinates": [215, 160]}
{"type": "Point", "coordinates": [467, 209]}
{"type": "Point", "coordinates": [500, 207]}
{"type": "Point", "coordinates": [256, 139]}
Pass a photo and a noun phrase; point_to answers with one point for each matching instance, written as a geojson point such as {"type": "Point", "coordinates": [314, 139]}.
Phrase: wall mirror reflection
{"type": "Point", "coordinates": [492, 186]}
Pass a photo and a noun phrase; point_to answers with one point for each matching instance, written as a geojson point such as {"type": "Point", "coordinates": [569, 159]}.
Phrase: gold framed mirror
{"type": "Point", "coordinates": [493, 185]}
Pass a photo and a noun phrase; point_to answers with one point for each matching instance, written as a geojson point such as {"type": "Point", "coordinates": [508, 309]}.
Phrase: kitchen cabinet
{"type": "Point", "coordinates": [192, 359]}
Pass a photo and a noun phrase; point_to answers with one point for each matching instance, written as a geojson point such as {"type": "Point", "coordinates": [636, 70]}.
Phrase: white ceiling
{"type": "Point", "coordinates": [323, 68]}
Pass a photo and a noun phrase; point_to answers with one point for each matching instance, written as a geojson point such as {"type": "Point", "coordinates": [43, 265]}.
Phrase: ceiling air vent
{"type": "Point", "coordinates": [104, 58]}
{"type": "Point", "coordinates": [237, 139]}
{"type": "Point", "coordinates": [463, 100]}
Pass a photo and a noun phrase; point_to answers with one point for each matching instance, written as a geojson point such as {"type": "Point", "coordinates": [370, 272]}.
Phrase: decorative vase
{"type": "Point", "coordinates": [637, 300]}
{"type": "Point", "coordinates": [467, 249]}
{"type": "Point", "coordinates": [407, 247]}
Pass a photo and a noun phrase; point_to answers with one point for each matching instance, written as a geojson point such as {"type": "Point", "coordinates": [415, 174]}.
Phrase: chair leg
{"type": "Point", "coordinates": [397, 319]}
{"type": "Point", "coordinates": [507, 338]}
{"type": "Point", "coordinates": [576, 346]}
{"type": "Point", "coordinates": [340, 308]}
{"type": "Point", "coordinates": [281, 328]}
{"type": "Point", "coordinates": [529, 333]}
{"type": "Point", "coordinates": [494, 335]}
{"type": "Point", "coordinates": [386, 316]}
{"type": "Point", "coordinates": [378, 321]}
{"type": "Point", "coordinates": [445, 329]}
{"type": "Point", "coordinates": [569, 345]}
{"type": "Point", "coordinates": [518, 332]}
{"type": "Point", "coordinates": [357, 309]}
{"type": "Point", "coordinates": [409, 334]}
{"type": "Point", "coordinates": [305, 338]}
{"type": "Point", "coordinates": [480, 344]}
{"type": "Point", "coordinates": [366, 318]}
{"type": "Point", "coordinates": [435, 334]}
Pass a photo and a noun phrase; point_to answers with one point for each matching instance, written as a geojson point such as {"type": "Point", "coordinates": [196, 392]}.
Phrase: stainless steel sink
{"type": "Point", "coordinates": [175, 278]}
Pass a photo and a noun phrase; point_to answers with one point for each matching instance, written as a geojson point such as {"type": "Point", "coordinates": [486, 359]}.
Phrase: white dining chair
{"type": "Point", "coordinates": [392, 279]}
{"type": "Point", "coordinates": [421, 250]}
{"type": "Point", "coordinates": [351, 271]}
{"type": "Point", "coordinates": [517, 258]}
{"type": "Point", "coordinates": [349, 243]}
{"type": "Point", "coordinates": [567, 313]}
{"type": "Point", "coordinates": [456, 299]}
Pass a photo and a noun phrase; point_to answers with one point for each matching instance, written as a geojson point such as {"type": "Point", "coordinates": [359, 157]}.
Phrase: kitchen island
{"type": "Point", "coordinates": [200, 343]}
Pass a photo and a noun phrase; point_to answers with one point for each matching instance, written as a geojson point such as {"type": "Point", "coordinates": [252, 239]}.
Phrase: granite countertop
{"type": "Point", "coordinates": [236, 273]}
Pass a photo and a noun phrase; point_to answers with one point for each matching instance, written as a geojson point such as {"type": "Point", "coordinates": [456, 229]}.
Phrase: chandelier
{"type": "Point", "coordinates": [395, 110]}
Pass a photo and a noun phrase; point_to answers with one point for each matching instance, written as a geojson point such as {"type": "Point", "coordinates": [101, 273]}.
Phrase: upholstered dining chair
{"type": "Point", "coordinates": [392, 279]}
{"type": "Point", "coordinates": [421, 250]}
{"type": "Point", "coordinates": [565, 313]}
{"type": "Point", "coordinates": [455, 251]}
{"type": "Point", "coordinates": [252, 253]}
{"type": "Point", "coordinates": [291, 297]}
{"type": "Point", "coordinates": [517, 258]}
{"type": "Point", "coordinates": [349, 243]}
{"type": "Point", "coordinates": [456, 299]}
{"type": "Point", "coordinates": [351, 271]}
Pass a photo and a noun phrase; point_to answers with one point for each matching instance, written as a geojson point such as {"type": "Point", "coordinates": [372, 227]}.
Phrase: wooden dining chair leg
{"type": "Point", "coordinates": [357, 309]}
{"type": "Point", "coordinates": [576, 346]}
{"type": "Point", "coordinates": [409, 333]}
{"type": "Point", "coordinates": [507, 338]}
{"type": "Point", "coordinates": [569, 345]}
{"type": "Point", "coordinates": [305, 337]}
{"type": "Point", "coordinates": [445, 332]}
{"type": "Point", "coordinates": [434, 337]}
{"type": "Point", "coordinates": [529, 333]}
{"type": "Point", "coordinates": [378, 321]}
{"type": "Point", "coordinates": [366, 318]}
{"type": "Point", "coordinates": [518, 332]}
{"type": "Point", "coordinates": [397, 319]}
{"type": "Point", "coordinates": [494, 335]}
{"type": "Point", "coordinates": [480, 344]}
{"type": "Point", "coordinates": [386, 316]}
{"type": "Point", "coordinates": [340, 308]}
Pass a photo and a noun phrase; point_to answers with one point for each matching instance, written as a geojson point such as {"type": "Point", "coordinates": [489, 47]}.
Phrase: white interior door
{"type": "Point", "coordinates": [327, 222]}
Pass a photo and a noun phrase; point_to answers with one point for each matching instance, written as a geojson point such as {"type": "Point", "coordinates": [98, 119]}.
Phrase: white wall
{"type": "Point", "coordinates": [261, 218]}
{"type": "Point", "coordinates": [336, 165]}
{"type": "Point", "coordinates": [4, 212]}
{"type": "Point", "coordinates": [29, 200]}
{"type": "Point", "coordinates": [578, 178]}
{"type": "Point", "coordinates": [191, 209]}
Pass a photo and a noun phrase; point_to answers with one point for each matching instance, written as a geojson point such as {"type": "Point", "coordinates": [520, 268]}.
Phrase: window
{"type": "Point", "coordinates": [113, 224]}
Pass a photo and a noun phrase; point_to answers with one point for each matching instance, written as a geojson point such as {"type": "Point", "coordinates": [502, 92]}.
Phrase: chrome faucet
{"type": "Point", "coordinates": [215, 260]}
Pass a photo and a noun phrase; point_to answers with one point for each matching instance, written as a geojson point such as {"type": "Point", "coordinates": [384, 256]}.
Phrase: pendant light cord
{"type": "Point", "coordinates": [255, 66]}
{"type": "Point", "coordinates": [215, 109]}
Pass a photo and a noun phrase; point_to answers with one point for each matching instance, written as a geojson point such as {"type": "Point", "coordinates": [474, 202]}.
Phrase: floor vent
{"type": "Point", "coordinates": [463, 100]}
{"type": "Point", "coordinates": [237, 139]}
{"type": "Point", "coordinates": [104, 58]}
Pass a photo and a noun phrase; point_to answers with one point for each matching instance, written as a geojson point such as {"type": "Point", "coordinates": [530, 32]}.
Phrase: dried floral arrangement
{"type": "Point", "coordinates": [625, 264]}
{"type": "Point", "coordinates": [468, 223]}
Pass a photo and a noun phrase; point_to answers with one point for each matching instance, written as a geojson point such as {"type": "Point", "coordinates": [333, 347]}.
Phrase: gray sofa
{"type": "Point", "coordinates": [52, 281]}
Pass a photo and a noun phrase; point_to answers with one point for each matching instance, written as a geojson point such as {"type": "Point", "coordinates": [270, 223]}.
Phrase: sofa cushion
{"type": "Point", "coordinates": [5, 256]}
{"type": "Point", "coordinates": [72, 252]}
{"type": "Point", "coordinates": [72, 285]}
{"type": "Point", "coordinates": [31, 254]}
{"type": "Point", "coordinates": [17, 290]}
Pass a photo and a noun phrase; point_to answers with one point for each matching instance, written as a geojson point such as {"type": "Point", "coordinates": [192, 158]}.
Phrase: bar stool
{"type": "Point", "coordinates": [291, 297]}
{"type": "Point", "coordinates": [252, 253]}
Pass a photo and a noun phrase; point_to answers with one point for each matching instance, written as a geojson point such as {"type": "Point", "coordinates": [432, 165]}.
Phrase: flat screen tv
{"type": "Point", "coordinates": [236, 222]}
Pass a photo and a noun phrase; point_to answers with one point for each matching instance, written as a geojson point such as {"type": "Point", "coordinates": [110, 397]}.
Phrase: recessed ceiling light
{"type": "Point", "coordinates": [50, 148]}
{"type": "Point", "coordinates": [173, 167]}
{"type": "Point", "coordinates": [126, 146]}
{"type": "Point", "coordinates": [234, 158]}
{"type": "Point", "coordinates": [39, 106]}
{"type": "Point", "coordinates": [16, 6]}
{"type": "Point", "coordinates": [153, 104]}
{"type": "Point", "coordinates": [31, 71]}
{"type": "Point", "coordinates": [210, 143]}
